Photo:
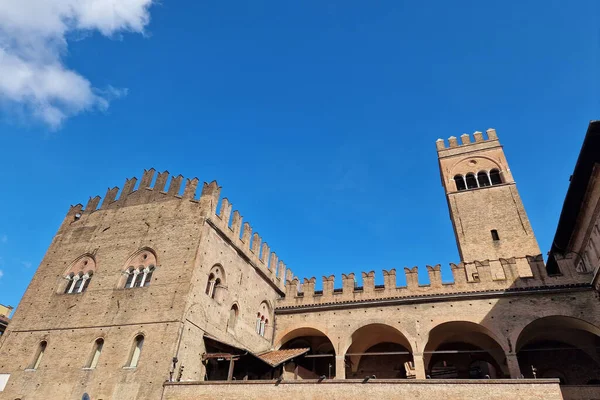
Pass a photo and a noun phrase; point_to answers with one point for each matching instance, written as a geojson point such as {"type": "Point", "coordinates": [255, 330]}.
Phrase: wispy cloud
{"type": "Point", "coordinates": [26, 264]}
{"type": "Point", "coordinates": [1, 274]}
{"type": "Point", "coordinates": [33, 45]}
{"type": "Point", "coordinates": [3, 239]}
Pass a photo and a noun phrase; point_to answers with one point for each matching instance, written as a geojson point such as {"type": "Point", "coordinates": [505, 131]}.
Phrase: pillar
{"type": "Point", "coordinates": [513, 366]}
{"type": "Point", "coordinates": [340, 367]}
{"type": "Point", "coordinates": [419, 366]}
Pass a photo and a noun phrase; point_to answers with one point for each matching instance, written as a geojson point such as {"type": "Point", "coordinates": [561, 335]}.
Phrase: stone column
{"type": "Point", "coordinates": [513, 365]}
{"type": "Point", "coordinates": [419, 366]}
{"type": "Point", "coordinates": [340, 367]}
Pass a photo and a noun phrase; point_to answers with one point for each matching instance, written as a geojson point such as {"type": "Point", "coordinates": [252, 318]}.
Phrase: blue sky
{"type": "Point", "coordinates": [318, 118]}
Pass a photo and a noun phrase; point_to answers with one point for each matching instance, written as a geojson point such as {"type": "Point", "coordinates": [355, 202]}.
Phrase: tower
{"type": "Point", "coordinates": [487, 213]}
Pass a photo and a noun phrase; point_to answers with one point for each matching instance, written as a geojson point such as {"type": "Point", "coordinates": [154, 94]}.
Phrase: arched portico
{"type": "Point", "coordinates": [319, 360]}
{"type": "Point", "coordinates": [560, 347]}
{"type": "Point", "coordinates": [380, 350]}
{"type": "Point", "coordinates": [464, 350]}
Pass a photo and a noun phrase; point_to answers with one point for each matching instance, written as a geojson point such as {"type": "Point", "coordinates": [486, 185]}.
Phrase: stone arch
{"type": "Point", "coordinates": [462, 166]}
{"type": "Point", "coordinates": [378, 338]}
{"type": "Point", "coordinates": [454, 347]}
{"type": "Point", "coordinates": [558, 346]}
{"type": "Point", "coordinates": [318, 343]}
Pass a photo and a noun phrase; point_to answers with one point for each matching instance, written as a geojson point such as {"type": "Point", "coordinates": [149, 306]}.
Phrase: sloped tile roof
{"type": "Point", "coordinates": [276, 357]}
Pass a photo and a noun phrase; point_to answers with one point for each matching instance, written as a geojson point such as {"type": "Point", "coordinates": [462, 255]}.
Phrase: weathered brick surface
{"type": "Point", "coordinates": [309, 390]}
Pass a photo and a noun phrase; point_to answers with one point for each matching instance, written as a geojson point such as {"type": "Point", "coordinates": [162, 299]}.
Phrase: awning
{"type": "Point", "coordinates": [276, 357]}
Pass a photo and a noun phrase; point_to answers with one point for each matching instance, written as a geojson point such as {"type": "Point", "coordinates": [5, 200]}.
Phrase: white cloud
{"type": "Point", "coordinates": [1, 274]}
{"type": "Point", "coordinates": [33, 43]}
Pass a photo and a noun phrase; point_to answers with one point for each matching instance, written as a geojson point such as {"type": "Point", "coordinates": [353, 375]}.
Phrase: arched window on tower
{"type": "Point", "coordinates": [210, 285]}
{"type": "Point", "coordinates": [98, 344]}
{"type": "Point", "coordinates": [495, 177]}
{"type": "Point", "coordinates": [215, 286]}
{"type": "Point", "coordinates": [140, 269]}
{"type": "Point", "coordinates": [39, 355]}
{"type": "Point", "coordinates": [79, 275]}
{"type": "Point", "coordinates": [471, 181]}
{"type": "Point", "coordinates": [136, 352]}
{"type": "Point", "coordinates": [459, 180]}
{"type": "Point", "coordinates": [233, 316]}
{"type": "Point", "coordinates": [483, 179]}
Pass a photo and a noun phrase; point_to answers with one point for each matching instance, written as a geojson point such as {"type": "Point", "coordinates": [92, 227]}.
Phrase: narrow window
{"type": "Point", "coordinates": [471, 181]}
{"type": "Point", "coordinates": [261, 331]}
{"type": "Point", "coordinates": [130, 277]}
{"type": "Point", "coordinates": [78, 284]}
{"type": "Point", "coordinates": [137, 351]}
{"type": "Point", "coordinates": [39, 355]}
{"type": "Point", "coordinates": [96, 354]}
{"type": "Point", "coordinates": [70, 282]}
{"type": "Point", "coordinates": [495, 235]}
{"type": "Point", "coordinates": [258, 323]}
{"type": "Point", "coordinates": [483, 179]}
{"type": "Point", "coordinates": [209, 284]}
{"type": "Point", "coordinates": [233, 314]}
{"type": "Point", "coordinates": [460, 182]}
{"type": "Point", "coordinates": [148, 277]}
{"type": "Point", "coordinates": [87, 282]}
{"type": "Point", "coordinates": [495, 177]}
{"type": "Point", "coordinates": [214, 288]}
{"type": "Point", "coordinates": [139, 277]}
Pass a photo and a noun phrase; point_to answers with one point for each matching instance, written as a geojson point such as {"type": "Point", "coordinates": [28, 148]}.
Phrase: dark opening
{"type": "Point", "coordinates": [495, 235]}
{"type": "Point", "coordinates": [495, 177]}
{"type": "Point", "coordinates": [460, 182]}
{"type": "Point", "coordinates": [471, 181]}
{"type": "Point", "coordinates": [483, 179]}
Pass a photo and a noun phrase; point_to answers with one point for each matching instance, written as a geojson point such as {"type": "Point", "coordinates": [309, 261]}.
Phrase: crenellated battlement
{"type": "Point", "coordinates": [240, 234]}
{"type": "Point", "coordinates": [466, 139]}
{"type": "Point", "coordinates": [478, 276]}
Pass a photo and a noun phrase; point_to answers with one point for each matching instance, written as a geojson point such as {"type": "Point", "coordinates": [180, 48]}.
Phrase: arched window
{"type": "Point", "coordinates": [98, 344]}
{"type": "Point", "coordinates": [233, 316]}
{"type": "Point", "coordinates": [495, 177]}
{"type": "Point", "coordinates": [70, 283]}
{"type": "Point", "coordinates": [148, 278]}
{"type": "Point", "coordinates": [140, 269]}
{"type": "Point", "coordinates": [483, 179]}
{"type": "Point", "coordinates": [79, 274]}
{"type": "Point", "coordinates": [471, 181]}
{"type": "Point", "coordinates": [139, 277]}
{"type": "Point", "coordinates": [215, 286]}
{"type": "Point", "coordinates": [39, 355]}
{"type": "Point", "coordinates": [134, 359]}
{"type": "Point", "coordinates": [460, 182]}
{"type": "Point", "coordinates": [262, 319]}
{"type": "Point", "coordinates": [78, 283]}
{"type": "Point", "coordinates": [210, 285]}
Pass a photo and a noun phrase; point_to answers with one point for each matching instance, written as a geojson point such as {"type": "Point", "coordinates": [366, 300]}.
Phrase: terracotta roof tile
{"type": "Point", "coordinates": [276, 357]}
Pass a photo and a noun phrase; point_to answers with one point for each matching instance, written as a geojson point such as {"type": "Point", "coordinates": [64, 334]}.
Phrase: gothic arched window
{"type": "Point", "coordinates": [483, 179]}
{"type": "Point", "coordinates": [495, 177]}
{"type": "Point", "coordinates": [471, 181]}
{"type": "Point", "coordinates": [459, 180]}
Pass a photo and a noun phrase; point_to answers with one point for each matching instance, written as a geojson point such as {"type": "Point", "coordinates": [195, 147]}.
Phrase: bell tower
{"type": "Point", "coordinates": [487, 213]}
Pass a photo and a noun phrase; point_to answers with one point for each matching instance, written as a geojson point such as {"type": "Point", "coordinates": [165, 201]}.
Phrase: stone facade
{"type": "Point", "coordinates": [163, 293]}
